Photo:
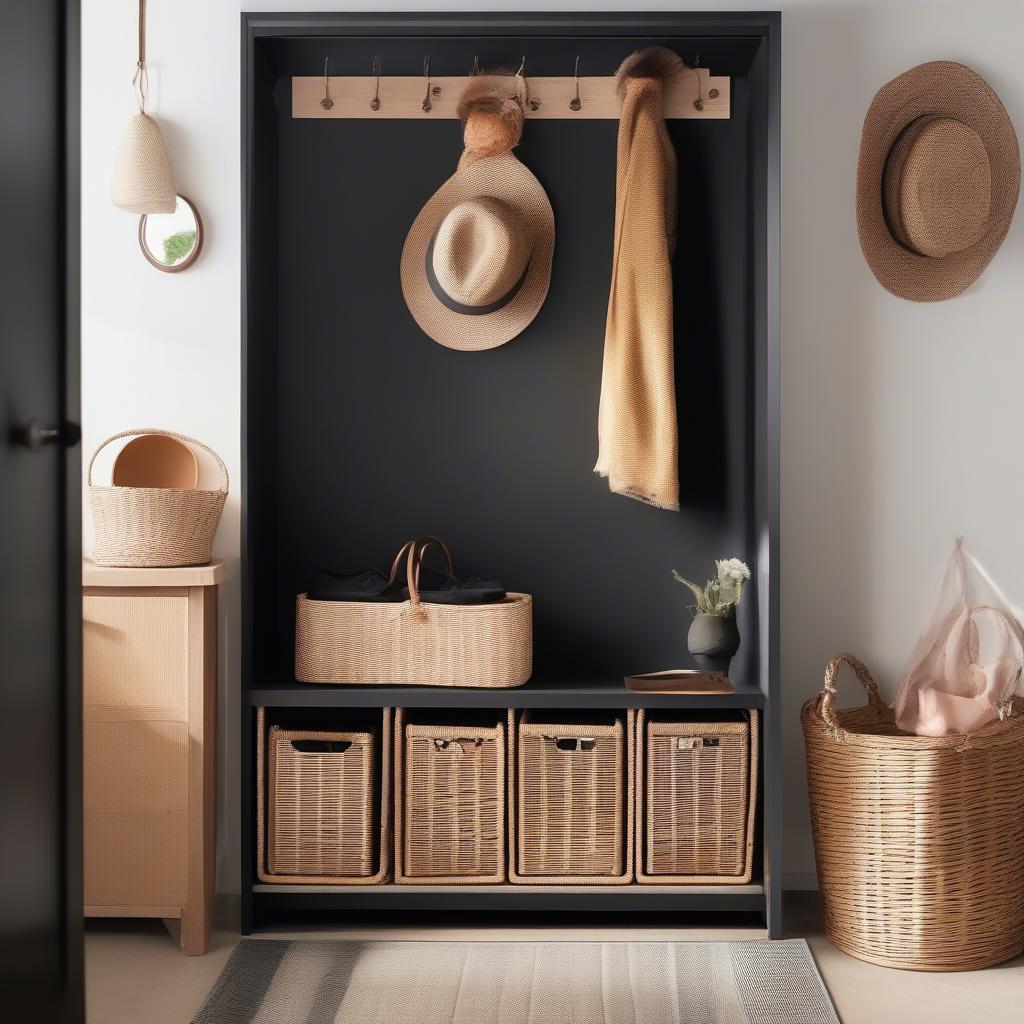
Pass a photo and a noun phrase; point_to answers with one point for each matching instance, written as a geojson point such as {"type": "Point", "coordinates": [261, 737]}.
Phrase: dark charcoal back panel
{"type": "Point", "coordinates": [382, 434]}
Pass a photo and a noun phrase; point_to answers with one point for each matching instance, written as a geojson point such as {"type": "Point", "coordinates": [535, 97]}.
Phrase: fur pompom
{"type": "Point", "coordinates": [492, 119]}
{"type": "Point", "coordinates": [653, 62]}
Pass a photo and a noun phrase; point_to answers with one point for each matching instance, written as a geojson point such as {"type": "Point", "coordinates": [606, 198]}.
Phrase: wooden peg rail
{"type": "Point", "coordinates": [549, 98]}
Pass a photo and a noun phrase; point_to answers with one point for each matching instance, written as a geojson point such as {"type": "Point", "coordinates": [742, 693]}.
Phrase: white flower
{"type": "Point", "coordinates": [732, 571]}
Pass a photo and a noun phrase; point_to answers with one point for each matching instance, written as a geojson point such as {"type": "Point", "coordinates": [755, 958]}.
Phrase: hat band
{"type": "Point", "coordinates": [458, 307]}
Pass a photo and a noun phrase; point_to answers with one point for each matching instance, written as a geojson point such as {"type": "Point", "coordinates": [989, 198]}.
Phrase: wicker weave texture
{"type": "Point", "coordinates": [155, 526]}
{"type": "Point", "coordinates": [401, 644]}
{"type": "Point", "coordinates": [571, 789]}
{"type": "Point", "coordinates": [142, 181]}
{"type": "Point", "coordinates": [452, 803]}
{"type": "Point", "coordinates": [699, 785]}
{"type": "Point", "coordinates": [320, 819]}
{"type": "Point", "coordinates": [919, 840]}
{"type": "Point", "coordinates": [317, 821]}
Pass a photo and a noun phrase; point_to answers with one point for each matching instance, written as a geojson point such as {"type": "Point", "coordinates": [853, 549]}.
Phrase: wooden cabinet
{"type": "Point", "coordinates": [149, 744]}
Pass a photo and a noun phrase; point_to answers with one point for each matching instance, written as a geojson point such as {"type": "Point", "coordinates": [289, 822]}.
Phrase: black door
{"type": "Point", "coordinates": [40, 499]}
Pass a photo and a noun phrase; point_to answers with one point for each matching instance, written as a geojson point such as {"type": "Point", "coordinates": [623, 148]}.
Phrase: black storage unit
{"type": "Point", "coordinates": [359, 431]}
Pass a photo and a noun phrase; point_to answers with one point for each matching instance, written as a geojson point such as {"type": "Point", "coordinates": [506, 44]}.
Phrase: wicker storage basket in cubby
{"type": "Point", "coordinates": [573, 814]}
{"type": "Point", "coordinates": [696, 793]}
{"type": "Point", "coordinates": [450, 800]}
{"type": "Point", "coordinates": [322, 801]}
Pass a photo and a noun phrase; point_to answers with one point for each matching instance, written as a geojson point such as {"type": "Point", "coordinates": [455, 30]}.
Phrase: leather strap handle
{"type": "Point", "coordinates": [415, 561]}
{"type": "Point", "coordinates": [826, 700]}
{"type": "Point", "coordinates": [400, 558]}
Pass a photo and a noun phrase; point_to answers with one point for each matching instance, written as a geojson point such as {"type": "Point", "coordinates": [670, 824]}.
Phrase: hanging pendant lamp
{"type": "Point", "coordinates": [143, 181]}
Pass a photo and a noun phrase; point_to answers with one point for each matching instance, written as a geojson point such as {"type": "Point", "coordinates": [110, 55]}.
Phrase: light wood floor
{"type": "Point", "coordinates": [135, 974]}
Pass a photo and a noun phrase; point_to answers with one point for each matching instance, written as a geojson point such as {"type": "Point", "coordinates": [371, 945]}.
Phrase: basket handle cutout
{"type": "Point", "coordinates": [570, 744]}
{"type": "Point", "coordinates": [826, 700]}
{"type": "Point", "coordinates": [457, 745]}
{"type": "Point", "coordinates": [184, 438]}
{"type": "Point", "coordinates": [321, 746]}
{"type": "Point", "coordinates": [697, 742]}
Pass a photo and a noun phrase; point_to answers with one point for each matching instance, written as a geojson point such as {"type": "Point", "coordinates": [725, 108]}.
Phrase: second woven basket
{"type": "Point", "coordinates": [143, 527]}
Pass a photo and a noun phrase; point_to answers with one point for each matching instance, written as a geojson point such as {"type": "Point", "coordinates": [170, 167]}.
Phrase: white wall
{"type": "Point", "coordinates": [901, 423]}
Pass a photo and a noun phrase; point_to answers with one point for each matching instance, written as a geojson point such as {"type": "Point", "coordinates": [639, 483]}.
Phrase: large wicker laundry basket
{"type": "Point", "coordinates": [919, 840]}
{"type": "Point", "coordinates": [155, 526]}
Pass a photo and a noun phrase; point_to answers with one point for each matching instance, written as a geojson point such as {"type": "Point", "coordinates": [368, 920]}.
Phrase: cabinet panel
{"type": "Point", "coordinates": [136, 655]}
{"type": "Point", "coordinates": [138, 858]}
{"type": "Point", "coordinates": [136, 812]}
{"type": "Point", "coordinates": [136, 766]}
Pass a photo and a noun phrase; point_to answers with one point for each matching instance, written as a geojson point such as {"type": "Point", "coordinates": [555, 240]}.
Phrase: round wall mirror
{"type": "Point", "coordinates": [172, 241]}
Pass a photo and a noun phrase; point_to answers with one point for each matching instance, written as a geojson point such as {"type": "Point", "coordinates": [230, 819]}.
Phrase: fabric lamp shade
{"type": "Point", "coordinates": [143, 181]}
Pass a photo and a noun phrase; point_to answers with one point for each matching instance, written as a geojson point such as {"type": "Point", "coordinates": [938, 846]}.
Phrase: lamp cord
{"type": "Point", "coordinates": [140, 80]}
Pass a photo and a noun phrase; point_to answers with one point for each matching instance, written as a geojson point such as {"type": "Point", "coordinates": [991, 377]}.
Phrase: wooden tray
{"type": "Point", "coordinates": [681, 680]}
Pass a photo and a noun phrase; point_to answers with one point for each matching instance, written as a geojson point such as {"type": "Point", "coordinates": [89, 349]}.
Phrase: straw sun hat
{"type": "Point", "coordinates": [937, 181]}
{"type": "Point", "coordinates": [477, 260]}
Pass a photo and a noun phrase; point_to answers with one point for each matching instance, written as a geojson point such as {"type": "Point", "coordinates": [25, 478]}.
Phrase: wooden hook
{"type": "Point", "coordinates": [326, 102]}
{"type": "Point", "coordinates": [533, 104]}
{"type": "Point", "coordinates": [427, 105]}
{"type": "Point", "coordinates": [375, 102]}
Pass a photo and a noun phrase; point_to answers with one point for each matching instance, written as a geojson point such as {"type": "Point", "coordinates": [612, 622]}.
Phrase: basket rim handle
{"type": "Point", "coordinates": [184, 438]}
{"type": "Point", "coordinates": [415, 559]}
{"type": "Point", "coordinates": [829, 691]}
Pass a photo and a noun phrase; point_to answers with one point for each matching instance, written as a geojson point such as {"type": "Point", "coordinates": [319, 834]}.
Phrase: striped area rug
{"type": "Point", "coordinates": [759, 982]}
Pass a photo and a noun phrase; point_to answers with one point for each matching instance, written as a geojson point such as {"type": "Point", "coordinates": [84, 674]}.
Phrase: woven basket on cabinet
{"type": "Point", "coordinates": [155, 526]}
{"type": "Point", "coordinates": [411, 643]}
{"type": "Point", "coordinates": [450, 799]}
{"type": "Point", "coordinates": [323, 817]}
{"type": "Point", "coordinates": [696, 793]}
{"type": "Point", "coordinates": [919, 840]}
{"type": "Point", "coordinates": [573, 816]}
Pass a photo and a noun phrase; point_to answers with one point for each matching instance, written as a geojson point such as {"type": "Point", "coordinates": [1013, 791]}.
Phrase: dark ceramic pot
{"type": "Point", "coordinates": [713, 640]}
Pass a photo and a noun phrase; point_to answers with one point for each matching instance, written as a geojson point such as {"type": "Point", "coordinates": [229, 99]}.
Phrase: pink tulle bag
{"type": "Point", "coordinates": [967, 665]}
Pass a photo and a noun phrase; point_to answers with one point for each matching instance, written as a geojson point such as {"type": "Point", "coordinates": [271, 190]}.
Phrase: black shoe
{"type": "Point", "coordinates": [439, 587]}
{"type": "Point", "coordinates": [368, 585]}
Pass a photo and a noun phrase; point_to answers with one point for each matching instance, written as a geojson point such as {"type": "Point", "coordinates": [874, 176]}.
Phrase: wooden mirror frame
{"type": "Point", "coordinates": [190, 258]}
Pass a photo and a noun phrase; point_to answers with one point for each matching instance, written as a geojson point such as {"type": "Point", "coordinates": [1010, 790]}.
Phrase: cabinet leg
{"type": "Point", "coordinates": [196, 925]}
{"type": "Point", "coordinates": [197, 913]}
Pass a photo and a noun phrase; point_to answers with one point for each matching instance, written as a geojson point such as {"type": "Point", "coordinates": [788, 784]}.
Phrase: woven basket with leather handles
{"type": "Point", "coordinates": [919, 840]}
{"type": "Point", "coordinates": [412, 643]}
{"type": "Point", "coordinates": [155, 526]}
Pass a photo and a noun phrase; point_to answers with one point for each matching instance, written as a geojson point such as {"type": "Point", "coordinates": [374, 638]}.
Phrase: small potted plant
{"type": "Point", "coordinates": [713, 638]}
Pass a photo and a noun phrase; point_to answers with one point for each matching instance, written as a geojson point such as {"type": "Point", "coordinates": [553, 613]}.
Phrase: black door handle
{"type": "Point", "coordinates": [35, 434]}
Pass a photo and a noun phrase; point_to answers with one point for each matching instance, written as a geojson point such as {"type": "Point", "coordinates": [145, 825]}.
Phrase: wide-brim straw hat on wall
{"type": "Point", "coordinates": [937, 181]}
{"type": "Point", "coordinates": [476, 264]}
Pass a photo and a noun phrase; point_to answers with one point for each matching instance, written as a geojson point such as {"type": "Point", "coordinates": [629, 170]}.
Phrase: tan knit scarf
{"type": "Point", "coordinates": [637, 437]}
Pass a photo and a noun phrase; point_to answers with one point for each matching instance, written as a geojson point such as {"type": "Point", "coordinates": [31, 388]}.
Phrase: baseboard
{"type": "Point", "coordinates": [227, 912]}
{"type": "Point", "coordinates": [801, 881]}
